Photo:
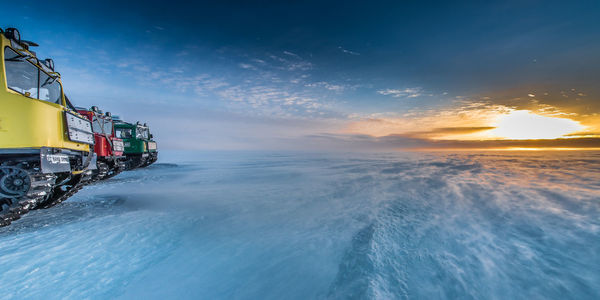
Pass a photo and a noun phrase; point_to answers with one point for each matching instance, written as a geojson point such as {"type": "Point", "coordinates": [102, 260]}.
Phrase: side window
{"type": "Point", "coordinates": [123, 133]}
{"type": "Point", "coordinates": [96, 126]}
{"type": "Point", "coordinates": [108, 127]}
{"type": "Point", "coordinates": [49, 88]}
{"type": "Point", "coordinates": [21, 75]}
{"type": "Point", "coordinates": [25, 78]}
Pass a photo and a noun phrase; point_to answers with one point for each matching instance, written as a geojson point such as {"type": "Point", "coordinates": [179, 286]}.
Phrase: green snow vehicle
{"type": "Point", "coordinates": [140, 149]}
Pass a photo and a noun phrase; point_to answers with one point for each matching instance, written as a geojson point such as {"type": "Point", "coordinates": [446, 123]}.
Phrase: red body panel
{"type": "Point", "coordinates": [102, 147]}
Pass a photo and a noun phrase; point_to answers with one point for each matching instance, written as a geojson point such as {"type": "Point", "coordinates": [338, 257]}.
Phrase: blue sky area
{"type": "Point", "coordinates": [262, 75]}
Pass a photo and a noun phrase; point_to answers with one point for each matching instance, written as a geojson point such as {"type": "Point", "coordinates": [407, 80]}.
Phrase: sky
{"type": "Point", "coordinates": [330, 75]}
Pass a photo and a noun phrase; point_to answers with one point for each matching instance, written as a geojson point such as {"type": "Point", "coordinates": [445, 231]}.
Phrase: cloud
{"type": "Point", "coordinates": [357, 142]}
{"type": "Point", "coordinates": [473, 122]}
{"type": "Point", "coordinates": [404, 93]}
{"type": "Point", "coordinates": [292, 54]}
{"type": "Point", "coordinates": [302, 65]}
{"type": "Point", "coordinates": [184, 82]}
{"type": "Point", "coordinates": [295, 64]}
{"type": "Point", "coordinates": [273, 101]}
{"type": "Point", "coordinates": [467, 120]}
{"type": "Point", "coordinates": [448, 131]}
{"type": "Point", "coordinates": [246, 66]}
{"type": "Point", "coordinates": [461, 129]}
{"type": "Point", "coordinates": [327, 85]}
{"type": "Point", "coordinates": [583, 134]}
{"type": "Point", "coordinates": [348, 51]}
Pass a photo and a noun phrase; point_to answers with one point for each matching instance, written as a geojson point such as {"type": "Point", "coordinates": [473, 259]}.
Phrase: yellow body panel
{"type": "Point", "coordinates": [31, 123]}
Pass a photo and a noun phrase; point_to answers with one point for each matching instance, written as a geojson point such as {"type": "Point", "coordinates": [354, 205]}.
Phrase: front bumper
{"type": "Point", "coordinates": [52, 161]}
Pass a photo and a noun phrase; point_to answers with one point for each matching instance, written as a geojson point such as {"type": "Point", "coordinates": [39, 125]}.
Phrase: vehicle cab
{"type": "Point", "coordinates": [45, 144]}
{"type": "Point", "coordinates": [106, 143]}
{"type": "Point", "coordinates": [140, 149]}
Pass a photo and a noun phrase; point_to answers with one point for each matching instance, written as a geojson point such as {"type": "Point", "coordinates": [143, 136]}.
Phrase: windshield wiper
{"type": "Point", "coordinates": [49, 78]}
{"type": "Point", "coordinates": [18, 58]}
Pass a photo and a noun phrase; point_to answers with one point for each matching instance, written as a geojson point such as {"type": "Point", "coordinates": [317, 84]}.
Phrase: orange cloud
{"type": "Point", "coordinates": [475, 121]}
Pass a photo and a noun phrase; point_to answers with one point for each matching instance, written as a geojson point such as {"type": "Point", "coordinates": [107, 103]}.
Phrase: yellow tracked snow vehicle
{"type": "Point", "coordinates": [44, 143]}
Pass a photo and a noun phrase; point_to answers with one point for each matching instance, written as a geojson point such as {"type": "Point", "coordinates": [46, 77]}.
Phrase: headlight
{"type": "Point", "coordinates": [117, 145]}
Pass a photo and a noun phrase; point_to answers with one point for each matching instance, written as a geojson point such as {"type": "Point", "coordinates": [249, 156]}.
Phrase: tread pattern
{"type": "Point", "coordinates": [41, 187]}
{"type": "Point", "coordinates": [63, 192]}
{"type": "Point", "coordinates": [100, 173]}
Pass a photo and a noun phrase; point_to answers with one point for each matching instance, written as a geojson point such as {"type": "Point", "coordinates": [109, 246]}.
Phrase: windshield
{"type": "Point", "coordinates": [141, 132]}
{"type": "Point", "coordinates": [101, 125]}
{"type": "Point", "coordinates": [123, 133]}
{"type": "Point", "coordinates": [24, 77]}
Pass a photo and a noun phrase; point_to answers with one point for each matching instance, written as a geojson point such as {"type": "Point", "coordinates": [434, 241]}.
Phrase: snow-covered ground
{"type": "Point", "coordinates": [251, 225]}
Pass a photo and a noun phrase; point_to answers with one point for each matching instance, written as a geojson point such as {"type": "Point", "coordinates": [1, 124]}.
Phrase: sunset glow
{"type": "Point", "coordinates": [525, 125]}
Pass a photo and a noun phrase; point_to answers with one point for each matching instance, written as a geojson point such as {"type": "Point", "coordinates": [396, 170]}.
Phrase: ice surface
{"type": "Point", "coordinates": [507, 225]}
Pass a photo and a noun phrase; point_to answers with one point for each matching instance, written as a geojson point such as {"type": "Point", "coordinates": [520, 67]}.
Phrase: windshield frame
{"type": "Point", "coordinates": [29, 59]}
{"type": "Point", "coordinates": [120, 130]}
{"type": "Point", "coordinates": [142, 132]}
{"type": "Point", "coordinates": [101, 127]}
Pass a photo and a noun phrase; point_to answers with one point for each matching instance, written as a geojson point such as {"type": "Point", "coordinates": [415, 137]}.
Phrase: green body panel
{"type": "Point", "coordinates": [136, 146]}
{"type": "Point", "coordinates": [133, 145]}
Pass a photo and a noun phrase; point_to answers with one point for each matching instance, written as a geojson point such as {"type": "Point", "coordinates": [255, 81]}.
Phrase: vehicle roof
{"type": "Point", "coordinates": [124, 124]}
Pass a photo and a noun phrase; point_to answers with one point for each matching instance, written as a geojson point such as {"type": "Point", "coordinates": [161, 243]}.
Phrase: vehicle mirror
{"type": "Point", "coordinates": [49, 63]}
{"type": "Point", "coordinates": [13, 34]}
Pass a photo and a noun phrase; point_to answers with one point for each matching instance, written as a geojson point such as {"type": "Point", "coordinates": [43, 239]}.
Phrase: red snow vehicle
{"type": "Point", "coordinates": [107, 147]}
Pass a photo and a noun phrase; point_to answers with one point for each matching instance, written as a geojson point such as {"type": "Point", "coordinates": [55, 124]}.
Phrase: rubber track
{"type": "Point", "coordinates": [58, 197]}
{"type": "Point", "coordinates": [148, 161]}
{"type": "Point", "coordinates": [113, 174]}
{"type": "Point", "coordinates": [134, 163]}
{"type": "Point", "coordinates": [102, 172]}
{"type": "Point", "coordinates": [41, 186]}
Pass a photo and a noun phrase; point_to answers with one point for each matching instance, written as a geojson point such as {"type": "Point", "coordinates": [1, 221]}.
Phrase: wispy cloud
{"type": "Point", "coordinates": [464, 120]}
{"type": "Point", "coordinates": [360, 142]}
{"type": "Point", "coordinates": [348, 51]}
{"type": "Point", "coordinates": [301, 65]}
{"type": "Point", "coordinates": [246, 66]}
{"type": "Point", "coordinates": [294, 64]}
{"type": "Point", "coordinates": [402, 93]}
{"type": "Point", "coordinates": [273, 101]}
{"type": "Point", "coordinates": [327, 85]}
{"type": "Point", "coordinates": [292, 54]}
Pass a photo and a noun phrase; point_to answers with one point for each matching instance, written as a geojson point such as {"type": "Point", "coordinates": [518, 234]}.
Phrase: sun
{"type": "Point", "coordinates": [525, 125]}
